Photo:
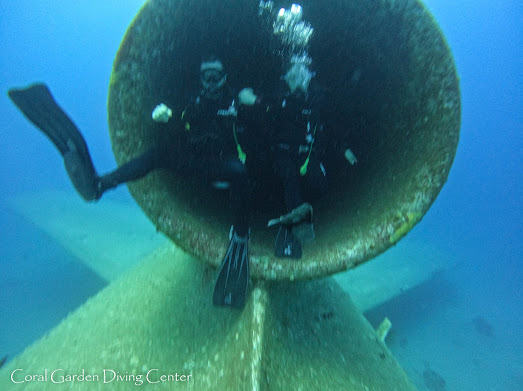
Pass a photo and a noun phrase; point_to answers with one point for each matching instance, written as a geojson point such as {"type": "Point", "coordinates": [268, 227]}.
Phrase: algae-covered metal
{"type": "Point", "coordinates": [156, 328]}
{"type": "Point", "coordinates": [393, 96]}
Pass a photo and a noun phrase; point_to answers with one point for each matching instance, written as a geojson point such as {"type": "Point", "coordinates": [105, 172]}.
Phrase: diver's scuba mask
{"type": "Point", "coordinates": [212, 77]}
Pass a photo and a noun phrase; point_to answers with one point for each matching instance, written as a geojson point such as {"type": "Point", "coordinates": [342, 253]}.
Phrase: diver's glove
{"type": "Point", "coordinates": [247, 97]}
{"type": "Point", "coordinates": [351, 158]}
{"type": "Point", "coordinates": [162, 113]}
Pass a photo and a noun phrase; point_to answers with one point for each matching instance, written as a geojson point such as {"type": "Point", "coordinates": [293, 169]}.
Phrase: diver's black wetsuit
{"type": "Point", "coordinates": [205, 147]}
{"type": "Point", "coordinates": [294, 123]}
{"type": "Point", "coordinates": [297, 129]}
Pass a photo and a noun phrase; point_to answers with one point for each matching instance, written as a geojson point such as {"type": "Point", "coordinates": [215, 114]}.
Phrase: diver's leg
{"type": "Point", "coordinates": [133, 170]}
{"type": "Point", "coordinates": [316, 182]}
{"type": "Point", "coordinates": [296, 226]}
{"type": "Point", "coordinates": [287, 170]}
{"type": "Point", "coordinates": [240, 194]}
{"type": "Point", "coordinates": [233, 278]}
{"type": "Point", "coordinates": [316, 179]}
{"type": "Point", "coordinates": [39, 106]}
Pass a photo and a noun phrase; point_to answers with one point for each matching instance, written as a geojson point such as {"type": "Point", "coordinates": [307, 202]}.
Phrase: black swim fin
{"type": "Point", "coordinates": [233, 279]}
{"type": "Point", "coordinates": [39, 106]}
{"type": "Point", "coordinates": [287, 245]}
{"type": "Point", "coordinates": [295, 216]}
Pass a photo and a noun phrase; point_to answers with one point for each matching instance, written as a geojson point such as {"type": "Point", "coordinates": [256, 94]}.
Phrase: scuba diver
{"type": "Point", "coordinates": [206, 131]}
{"type": "Point", "coordinates": [294, 120]}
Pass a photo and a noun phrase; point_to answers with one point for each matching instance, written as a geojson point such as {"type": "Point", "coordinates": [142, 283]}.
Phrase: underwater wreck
{"type": "Point", "coordinates": [391, 78]}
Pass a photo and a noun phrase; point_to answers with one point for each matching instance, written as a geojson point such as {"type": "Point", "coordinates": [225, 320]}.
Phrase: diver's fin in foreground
{"type": "Point", "coordinates": [233, 279]}
{"type": "Point", "coordinates": [39, 106]}
{"type": "Point", "coordinates": [287, 245]}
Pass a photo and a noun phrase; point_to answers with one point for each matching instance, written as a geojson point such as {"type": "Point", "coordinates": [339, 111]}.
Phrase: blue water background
{"type": "Point", "coordinates": [71, 47]}
{"type": "Point", "coordinates": [477, 218]}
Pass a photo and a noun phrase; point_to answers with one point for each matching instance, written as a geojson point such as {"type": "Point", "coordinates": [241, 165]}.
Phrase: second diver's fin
{"type": "Point", "coordinates": [39, 106]}
{"type": "Point", "coordinates": [297, 215]}
{"type": "Point", "coordinates": [287, 245]}
{"type": "Point", "coordinates": [304, 231]}
{"type": "Point", "coordinates": [233, 279]}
